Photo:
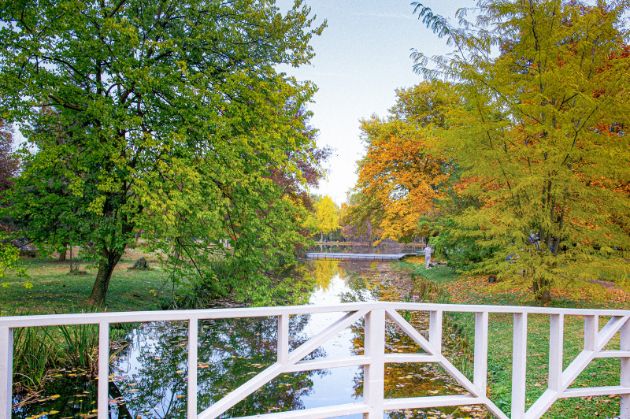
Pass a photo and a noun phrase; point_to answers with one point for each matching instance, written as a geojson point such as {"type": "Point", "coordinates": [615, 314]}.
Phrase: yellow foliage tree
{"type": "Point", "coordinates": [327, 214]}
{"type": "Point", "coordinates": [541, 141]}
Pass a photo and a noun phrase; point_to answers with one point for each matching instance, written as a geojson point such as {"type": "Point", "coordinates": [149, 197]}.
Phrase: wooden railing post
{"type": "Point", "coordinates": [625, 369]}
{"type": "Point", "coordinates": [591, 327]}
{"type": "Point", "coordinates": [480, 374]}
{"type": "Point", "coordinates": [193, 332]}
{"type": "Point", "coordinates": [556, 351]}
{"type": "Point", "coordinates": [103, 370]}
{"type": "Point", "coordinates": [519, 365]}
{"type": "Point", "coordinates": [435, 330]}
{"type": "Point", "coordinates": [283, 338]}
{"type": "Point", "coordinates": [374, 377]}
{"type": "Point", "coordinates": [6, 372]}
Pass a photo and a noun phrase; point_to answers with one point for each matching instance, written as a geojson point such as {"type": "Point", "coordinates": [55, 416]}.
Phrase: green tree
{"type": "Point", "coordinates": [9, 164]}
{"type": "Point", "coordinates": [327, 215]}
{"type": "Point", "coordinates": [174, 116]}
{"type": "Point", "coordinates": [541, 142]}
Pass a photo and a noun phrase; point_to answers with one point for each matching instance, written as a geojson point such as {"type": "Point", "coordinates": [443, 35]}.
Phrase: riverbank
{"type": "Point", "coordinates": [454, 288]}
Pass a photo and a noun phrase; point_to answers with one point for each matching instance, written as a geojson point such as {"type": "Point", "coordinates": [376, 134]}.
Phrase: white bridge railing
{"type": "Point", "coordinates": [374, 404]}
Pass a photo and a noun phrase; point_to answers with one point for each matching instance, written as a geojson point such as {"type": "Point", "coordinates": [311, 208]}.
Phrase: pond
{"type": "Point", "coordinates": [148, 373]}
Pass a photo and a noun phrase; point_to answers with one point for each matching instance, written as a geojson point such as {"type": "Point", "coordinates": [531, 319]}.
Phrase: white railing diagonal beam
{"type": "Point", "coordinates": [316, 341]}
{"type": "Point", "coordinates": [411, 331]}
{"type": "Point", "coordinates": [277, 368]}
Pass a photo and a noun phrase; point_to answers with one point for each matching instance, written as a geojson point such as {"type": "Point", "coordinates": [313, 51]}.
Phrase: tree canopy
{"type": "Point", "coordinates": [168, 117]}
{"type": "Point", "coordinates": [524, 169]}
{"type": "Point", "coordinates": [327, 215]}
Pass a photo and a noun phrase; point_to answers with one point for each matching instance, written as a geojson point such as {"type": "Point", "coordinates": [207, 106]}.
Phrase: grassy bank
{"type": "Point", "coordinates": [602, 372]}
{"type": "Point", "coordinates": [49, 288]}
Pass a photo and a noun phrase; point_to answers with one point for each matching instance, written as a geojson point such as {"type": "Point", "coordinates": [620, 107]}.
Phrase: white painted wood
{"type": "Point", "coordinates": [231, 313]}
{"type": "Point", "coordinates": [435, 330]}
{"type": "Point", "coordinates": [406, 358]}
{"type": "Point", "coordinates": [103, 370]}
{"type": "Point", "coordinates": [543, 404]}
{"type": "Point", "coordinates": [374, 372]}
{"type": "Point", "coordinates": [613, 354]}
{"type": "Point", "coordinates": [316, 341]}
{"type": "Point", "coordinates": [6, 372]}
{"type": "Point", "coordinates": [595, 391]}
{"type": "Point", "coordinates": [410, 331]}
{"type": "Point", "coordinates": [272, 371]}
{"type": "Point", "coordinates": [624, 345]}
{"type": "Point", "coordinates": [480, 374]}
{"type": "Point", "coordinates": [466, 308]}
{"type": "Point", "coordinates": [445, 363]}
{"type": "Point", "coordinates": [591, 327]}
{"type": "Point", "coordinates": [193, 344]}
{"type": "Point", "coordinates": [578, 365]}
{"type": "Point", "coordinates": [283, 338]}
{"type": "Point", "coordinates": [241, 392]}
{"type": "Point", "coordinates": [318, 412]}
{"type": "Point", "coordinates": [556, 348]}
{"type": "Point", "coordinates": [519, 365]}
{"type": "Point", "coordinates": [375, 358]}
{"type": "Point", "coordinates": [430, 401]}
{"type": "Point", "coordinates": [322, 364]}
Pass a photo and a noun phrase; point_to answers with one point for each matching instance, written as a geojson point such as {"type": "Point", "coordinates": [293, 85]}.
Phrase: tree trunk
{"type": "Point", "coordinates": [105, 268]}
{"type": "Point", "coordinates": [542, 290]}
{"type": "Point", "coordinates": [62, 254]}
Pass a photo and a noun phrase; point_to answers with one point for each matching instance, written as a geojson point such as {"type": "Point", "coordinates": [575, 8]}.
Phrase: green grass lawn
{"type": "Point", "coordinates": [602, 372]}
{"type": "Point", "coordinates": [49, 288]}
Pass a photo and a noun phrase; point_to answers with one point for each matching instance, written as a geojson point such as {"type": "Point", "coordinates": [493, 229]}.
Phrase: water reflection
{"type": "Point", "coordinates": [149, 375]}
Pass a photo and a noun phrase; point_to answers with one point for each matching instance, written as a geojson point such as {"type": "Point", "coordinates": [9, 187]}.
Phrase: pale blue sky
{"type": "Point", "coordinates": [362, 57]}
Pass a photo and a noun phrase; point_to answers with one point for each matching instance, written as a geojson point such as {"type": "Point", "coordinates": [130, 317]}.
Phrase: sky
{"type": "Point", "coordinates": [361, 59]}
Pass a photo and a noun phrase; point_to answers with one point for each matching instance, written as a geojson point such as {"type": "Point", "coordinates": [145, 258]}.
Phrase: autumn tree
{"type": "Point", "coordinates": [360, 218]}
{"type": "Point", "coordinates": [400, 173]}
{"type": "Point", "coordinates": [175, 117]}
{"type": "Point", "coordinates": [541, 142]}
{"type": "Point", "coordinates": [327, 216]}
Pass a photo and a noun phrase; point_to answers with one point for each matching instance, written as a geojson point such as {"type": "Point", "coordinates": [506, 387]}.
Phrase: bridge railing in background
{"type": "Point", "coordinates": [374, 359]}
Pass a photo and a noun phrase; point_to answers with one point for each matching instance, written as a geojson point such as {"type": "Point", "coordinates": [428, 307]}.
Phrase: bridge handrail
{"type": "Point", "coordinates": [243, 312]}
{"type": "Point", "coordinates": [374, 359]}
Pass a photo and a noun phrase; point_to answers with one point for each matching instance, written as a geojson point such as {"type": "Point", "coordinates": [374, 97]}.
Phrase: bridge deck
{"type": "Point", "coordinates": [358, 256]}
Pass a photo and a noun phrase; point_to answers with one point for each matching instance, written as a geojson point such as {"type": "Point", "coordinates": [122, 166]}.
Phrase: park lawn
{"type": "Point", "coordinates": [48, 288]}
{"type": "Point", "coordinates": [602, 372]}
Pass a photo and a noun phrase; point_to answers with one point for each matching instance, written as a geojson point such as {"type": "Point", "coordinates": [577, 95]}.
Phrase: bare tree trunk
{"type": "Point", "coordinates": [106, 266]}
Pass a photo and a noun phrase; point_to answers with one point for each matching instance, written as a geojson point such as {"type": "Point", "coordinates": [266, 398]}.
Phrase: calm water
{"type": "Point", "coordinates": [149, 370]}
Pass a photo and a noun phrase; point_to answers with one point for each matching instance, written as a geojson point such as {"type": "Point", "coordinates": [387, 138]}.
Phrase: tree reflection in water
{"type": "Point", "coordinates": [151, 374]}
